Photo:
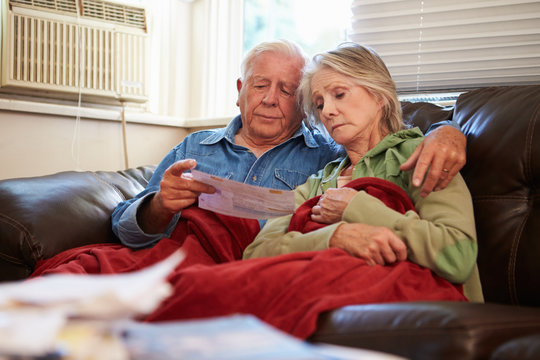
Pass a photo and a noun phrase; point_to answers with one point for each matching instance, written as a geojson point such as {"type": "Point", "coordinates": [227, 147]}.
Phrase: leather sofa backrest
{"type": "Point", "coordinates": [503, 174]}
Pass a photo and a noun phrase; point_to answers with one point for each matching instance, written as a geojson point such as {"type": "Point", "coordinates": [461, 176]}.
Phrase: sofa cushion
{"type": "Point", "coordinates": [42, 216]}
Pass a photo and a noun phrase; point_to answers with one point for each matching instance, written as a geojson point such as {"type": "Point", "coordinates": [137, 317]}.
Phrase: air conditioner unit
{"type": "Point", "coordinates": [68, 47]}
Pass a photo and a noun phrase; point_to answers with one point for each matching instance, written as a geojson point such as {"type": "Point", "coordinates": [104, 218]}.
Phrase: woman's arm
{"type": "Point", "coordinates": [275, 239]}
{"type": "Point", "coordinates": [441, 236]}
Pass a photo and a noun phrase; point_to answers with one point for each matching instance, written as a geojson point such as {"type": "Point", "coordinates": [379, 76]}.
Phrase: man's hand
{"type": "Point", "coordinates": [178, 190]}
{"type": "Point", "coordinates": [373, 244]}
{"type": "Point", "coordinates": [443, 151]}
{"type": "Point", "coordinates": [331, 205]}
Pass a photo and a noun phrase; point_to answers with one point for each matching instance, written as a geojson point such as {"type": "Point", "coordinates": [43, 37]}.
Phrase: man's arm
{"type": "Point", "coordinates": [153, 214]}
{"type": "Point", "coordinates": [443, 152]}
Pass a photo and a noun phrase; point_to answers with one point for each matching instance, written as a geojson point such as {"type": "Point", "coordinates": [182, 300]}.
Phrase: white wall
{"type": "Point", "coordinates": [35, 144]}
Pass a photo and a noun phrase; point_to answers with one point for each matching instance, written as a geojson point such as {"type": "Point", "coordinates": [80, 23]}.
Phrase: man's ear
{"type": "Point", "coordinates": [238, 84]}
{"type": "Point", "coordinates": [238, 87]}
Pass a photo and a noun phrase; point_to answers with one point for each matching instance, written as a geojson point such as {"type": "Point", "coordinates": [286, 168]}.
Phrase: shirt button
{"type": "Point", "coordinates": [254, 178]}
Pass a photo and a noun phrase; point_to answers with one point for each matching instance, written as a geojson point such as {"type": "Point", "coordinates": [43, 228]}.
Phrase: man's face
{"type": "Point", "coordinates": [267, 99]}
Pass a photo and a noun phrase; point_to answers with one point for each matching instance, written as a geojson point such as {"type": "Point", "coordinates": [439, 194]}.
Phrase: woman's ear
{"type": "Point", "coordinates": [381, 101]}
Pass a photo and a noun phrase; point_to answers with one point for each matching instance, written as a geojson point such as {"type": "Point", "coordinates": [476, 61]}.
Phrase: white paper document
{"type": "Point", "coordinates": [243, 200]}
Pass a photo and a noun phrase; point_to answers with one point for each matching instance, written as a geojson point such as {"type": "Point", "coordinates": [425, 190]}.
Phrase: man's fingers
{"type": "Point", "coordinates": [454, 166]}
{"type": "Point", "coordinates": [437, 172]}
{"type": "Point", "coordinates": [432, 178]}
{"type": "Point", "coordinates": [453, 163]}
{"type": "Point", "coordinates": [179, 167]}
{"type": "Point", "coordinates": [422, 165]}
{"type": "Point", "coordinates": [185, 186]}
{"type": "Point", "coordinates": [411, 161]}
{"type": "Point", "coordinates": [446, 177]}
{"type": "Point", "coordinates": [199, 187]}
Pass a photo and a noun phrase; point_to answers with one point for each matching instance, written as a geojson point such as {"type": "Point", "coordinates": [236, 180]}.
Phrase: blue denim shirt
{"type": "Point", "coordinates": [282, 167]}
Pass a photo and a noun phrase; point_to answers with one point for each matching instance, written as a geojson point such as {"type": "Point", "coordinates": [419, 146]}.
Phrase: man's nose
{"type": "Point", "coordinates": [271, 96]}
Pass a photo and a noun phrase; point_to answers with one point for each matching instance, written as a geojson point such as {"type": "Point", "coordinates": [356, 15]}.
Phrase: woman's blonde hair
{"type": "Point", "coordinates": [366, 68]}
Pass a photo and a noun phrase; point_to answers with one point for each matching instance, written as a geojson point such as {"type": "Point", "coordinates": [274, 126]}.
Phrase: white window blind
{"type": "Point", "coordinates": [441, 45]}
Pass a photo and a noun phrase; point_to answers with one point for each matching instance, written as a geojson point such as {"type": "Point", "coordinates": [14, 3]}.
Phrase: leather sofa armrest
{"type": "Point", "coordinates": [428, 330]}
{"type": "Point", "coordinates": [42, 216]}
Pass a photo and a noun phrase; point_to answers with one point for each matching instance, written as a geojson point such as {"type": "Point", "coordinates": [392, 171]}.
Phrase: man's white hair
{"type": "Point", "coordinates": [282, 46]}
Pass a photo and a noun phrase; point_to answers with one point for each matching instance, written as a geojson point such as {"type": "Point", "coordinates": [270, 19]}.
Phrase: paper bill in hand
{"type": "Point", "coordinates": [243, 200]}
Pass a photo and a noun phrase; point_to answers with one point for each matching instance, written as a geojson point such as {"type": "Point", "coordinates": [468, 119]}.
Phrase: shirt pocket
{"type": "Point", "coordinates": [288, 179]}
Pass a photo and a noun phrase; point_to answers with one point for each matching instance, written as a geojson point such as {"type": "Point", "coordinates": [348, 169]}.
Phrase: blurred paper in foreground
{"type": "Point", "coordinates": [34, 312]}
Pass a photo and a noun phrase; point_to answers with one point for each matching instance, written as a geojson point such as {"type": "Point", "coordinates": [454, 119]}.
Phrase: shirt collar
{"type": "Point", "coordinates": [235, 124]}
{"type": "Point", "coordinates": [333, 168]}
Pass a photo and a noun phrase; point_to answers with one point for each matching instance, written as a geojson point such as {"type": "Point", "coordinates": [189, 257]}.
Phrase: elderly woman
{"type": "Point", "coordinates": [351, 92]}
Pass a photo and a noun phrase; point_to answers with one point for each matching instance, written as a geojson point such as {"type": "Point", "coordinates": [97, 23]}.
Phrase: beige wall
{"type": "Point", "coordinates": [32, 145]}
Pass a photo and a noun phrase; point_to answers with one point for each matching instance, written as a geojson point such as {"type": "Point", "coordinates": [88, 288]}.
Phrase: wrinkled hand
{"type": "Point", "coordinates": [331, 205]}
{"type": "Point", "coordinates": [178, 190]}
{"type": "Point", "coordinates": [373, 244]}
{"type": "Point", "coordinates": [443, 151]}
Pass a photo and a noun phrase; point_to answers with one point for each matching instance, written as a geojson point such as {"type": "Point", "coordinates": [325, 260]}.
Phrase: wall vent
{"type": "Point", "coordinates": [60, 47]}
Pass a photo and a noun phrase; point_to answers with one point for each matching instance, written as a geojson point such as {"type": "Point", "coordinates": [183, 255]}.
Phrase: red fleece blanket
{"type": "Point", "coordinates": [287, 291]}
{"type": "Point", "coordinates": [205, 237]}
{"type": "Point", "coordinates": [389, 193]}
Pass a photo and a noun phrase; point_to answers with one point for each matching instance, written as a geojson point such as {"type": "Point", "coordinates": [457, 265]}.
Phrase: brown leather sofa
{"type": "Point", "coordinates": [42, 216]}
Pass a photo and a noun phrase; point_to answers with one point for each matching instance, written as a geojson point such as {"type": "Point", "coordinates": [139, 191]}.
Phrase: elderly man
{"type": "Point", "coordinates": [266, 145]}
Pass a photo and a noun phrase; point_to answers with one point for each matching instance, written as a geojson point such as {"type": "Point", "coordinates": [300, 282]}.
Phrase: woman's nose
{"type": "Point", "coordinates": [328, 109]}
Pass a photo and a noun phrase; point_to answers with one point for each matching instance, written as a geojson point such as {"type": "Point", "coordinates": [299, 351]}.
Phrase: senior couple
{"type": "Point", "coordinates": [348, 221]}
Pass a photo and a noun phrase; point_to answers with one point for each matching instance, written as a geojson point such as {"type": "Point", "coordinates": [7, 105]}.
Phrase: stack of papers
{"type": "Point", "coordinates": [35, 313]}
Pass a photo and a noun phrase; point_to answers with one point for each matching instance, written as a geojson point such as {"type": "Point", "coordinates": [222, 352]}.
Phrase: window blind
{"type": "Point", "coordinates": [441, 45]}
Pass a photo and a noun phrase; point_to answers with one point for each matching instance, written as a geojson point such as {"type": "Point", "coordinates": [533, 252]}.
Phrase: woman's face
{"type": "Point", "coordinates": [348, 111]}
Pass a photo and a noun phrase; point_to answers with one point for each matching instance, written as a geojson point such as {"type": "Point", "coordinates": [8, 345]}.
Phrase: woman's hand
{"type": "Point", "coordinates": [373, 244]}
{"type": "Point", "coordinates": [331, 205]}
